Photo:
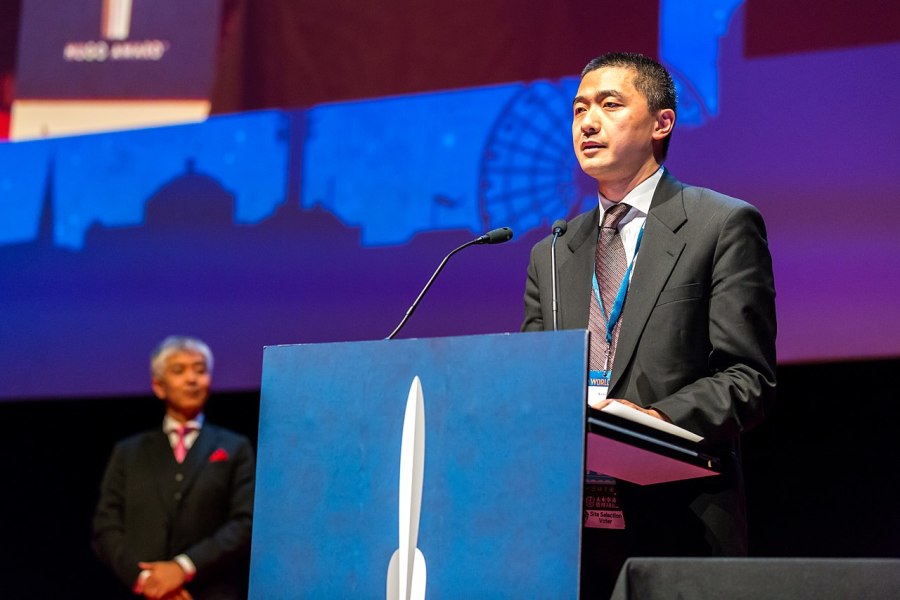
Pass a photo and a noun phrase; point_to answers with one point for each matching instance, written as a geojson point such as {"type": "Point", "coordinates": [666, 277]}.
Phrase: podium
{"type": "Point", "coordinates": [504, 462]}
{"type": "Point", "coordinates": [639, 454]}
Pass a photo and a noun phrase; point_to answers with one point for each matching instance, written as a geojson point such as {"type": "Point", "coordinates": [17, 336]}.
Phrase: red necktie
{"type": "Point", "coordinates": [180, 449]}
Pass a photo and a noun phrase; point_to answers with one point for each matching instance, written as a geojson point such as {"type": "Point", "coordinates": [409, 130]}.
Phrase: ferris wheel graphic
{"type": "Point", "coordinates": [528, 175]}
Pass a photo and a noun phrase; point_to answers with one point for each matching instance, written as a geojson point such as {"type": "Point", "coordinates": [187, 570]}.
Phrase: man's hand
{"type": "Point", "coordinates": [165, 579]}
{"type": "Point", "coordinates": [649, 411]}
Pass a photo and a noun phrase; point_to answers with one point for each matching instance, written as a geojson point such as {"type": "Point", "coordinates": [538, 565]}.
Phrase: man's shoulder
{"type": "Point", "coordinates": [577, 221]}
{"type": "Point", "coordinates": [225, 435]}
{"type": "Point", "coordinates": [573, 225]}
{"type": "Point", "coordinates": [139, 439]}
{"type": "Point", "coordinates": [136, 447]}
{"type": "Point", "coordinates": [150, 435]}
{"type": "Point", "coordinates": [703, 198]}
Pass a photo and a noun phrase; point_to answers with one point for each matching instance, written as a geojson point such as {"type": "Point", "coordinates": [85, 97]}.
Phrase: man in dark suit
{"type": "Point", "coordinates": [176, 503]}
{"type": "Point", "coordinates": [693, 341]}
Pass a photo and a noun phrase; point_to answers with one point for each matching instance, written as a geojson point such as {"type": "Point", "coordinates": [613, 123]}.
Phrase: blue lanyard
{"type": "Point", "coordinates": [619, 302]}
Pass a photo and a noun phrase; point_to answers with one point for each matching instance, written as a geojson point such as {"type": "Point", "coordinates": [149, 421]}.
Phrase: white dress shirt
{"type": "Point", "coordinates": [639, 199]}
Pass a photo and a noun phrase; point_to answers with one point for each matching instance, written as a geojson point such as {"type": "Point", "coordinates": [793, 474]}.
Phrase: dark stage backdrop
{"type": "Point", "coordinates": [415, 128]}
{"type": "Point", "coordinates": [821, 474]}
{"type": "Point", "coordinates": [320, 217]}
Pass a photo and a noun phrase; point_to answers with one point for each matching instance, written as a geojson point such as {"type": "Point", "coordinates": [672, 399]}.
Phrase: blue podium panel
{"type": "Point", "coordinates": [501, 504]}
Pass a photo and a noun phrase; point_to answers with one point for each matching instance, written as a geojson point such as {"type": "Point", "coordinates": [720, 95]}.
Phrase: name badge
{"type": "Point", "coordinates": [602, 509]}
{"type": "Point", "coordinates": [598, 386]}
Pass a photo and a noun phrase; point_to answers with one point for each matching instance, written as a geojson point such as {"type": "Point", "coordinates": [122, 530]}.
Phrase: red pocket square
{"type": "Point", "coordinates": [219, 455]}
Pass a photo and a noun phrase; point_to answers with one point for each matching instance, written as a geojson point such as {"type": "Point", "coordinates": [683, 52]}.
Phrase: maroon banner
{"type": "Point", "coordinates": [117, 49]}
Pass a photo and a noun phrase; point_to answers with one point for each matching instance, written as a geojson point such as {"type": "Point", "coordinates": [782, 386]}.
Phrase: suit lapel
{"type": "Point", "coordinates": [575, 271]}
{"type": "Point", "coordinates": [198, 455]}
{"type": "Point", "coordinates": [660, 250]}
{"type": "Point", "coordinates": [162, 459]}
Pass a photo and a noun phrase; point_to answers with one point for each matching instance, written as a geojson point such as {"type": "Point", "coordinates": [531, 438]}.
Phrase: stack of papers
{"type": "Point", "coordinates": [636, 416]}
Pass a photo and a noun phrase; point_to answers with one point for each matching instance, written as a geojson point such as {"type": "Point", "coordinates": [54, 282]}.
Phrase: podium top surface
{"type": "Point", "coordinates": [640, 454]}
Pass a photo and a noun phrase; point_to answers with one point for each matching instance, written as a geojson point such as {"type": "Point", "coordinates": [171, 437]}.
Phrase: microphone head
{"type": "Point", "coordinates": [496, 236]}
{"type": "Point", "coordinates": [559, 227]}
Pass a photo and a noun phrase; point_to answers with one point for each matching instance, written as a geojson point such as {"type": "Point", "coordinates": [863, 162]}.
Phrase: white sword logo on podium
{"type": "Point", "coordinates": [406, 571]}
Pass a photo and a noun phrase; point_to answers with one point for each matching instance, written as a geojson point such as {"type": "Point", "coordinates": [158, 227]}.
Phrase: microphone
{"type": "Point", "coordinates": [560, 227]}
{"type": "Point", "coordinates": [494, 236]}
{"type": "Point", "coordinates": [559, 230]}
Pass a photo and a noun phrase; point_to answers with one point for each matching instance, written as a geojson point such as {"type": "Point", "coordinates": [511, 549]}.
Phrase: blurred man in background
{"type": "Point", "coordinates": [176, 502]}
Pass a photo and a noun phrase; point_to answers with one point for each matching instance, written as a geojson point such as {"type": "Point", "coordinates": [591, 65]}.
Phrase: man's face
{"type": "Point", "coordinates": [184, 384]}
{"type": "Point", "coordinates": [612, 127]}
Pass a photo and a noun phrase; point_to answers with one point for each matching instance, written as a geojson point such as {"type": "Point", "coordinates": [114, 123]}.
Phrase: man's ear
{"type": "Point", "coordinates": [665, 122]}
{"type": "Point", "coordinates": [158, 389]}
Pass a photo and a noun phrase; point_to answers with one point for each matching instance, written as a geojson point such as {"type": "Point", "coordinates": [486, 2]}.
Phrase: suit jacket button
{"type": "Point", "coordinates": [179, 477]}
{"type": "Point", "coordinates": [178, 495]}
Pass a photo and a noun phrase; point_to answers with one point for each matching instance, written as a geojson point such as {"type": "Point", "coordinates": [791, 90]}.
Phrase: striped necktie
{"type": "Point", "coordinates": [610, 265]}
